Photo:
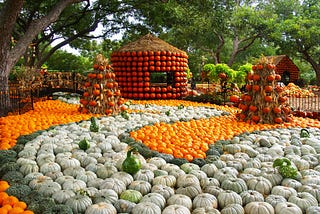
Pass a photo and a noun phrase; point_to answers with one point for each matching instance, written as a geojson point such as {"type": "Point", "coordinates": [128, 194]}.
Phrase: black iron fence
{"type": "Point", "coordinates": [15, 101]}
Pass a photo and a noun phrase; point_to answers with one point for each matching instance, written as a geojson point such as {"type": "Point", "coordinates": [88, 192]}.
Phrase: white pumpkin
{"type": "Point", "coordinates": [45, 158]}
{"type": "Point", "coordinates": [37, 182]}
{"type": "Point", "coordinates": [143, 187]}
{"type": "Point", "coordinates": [74, 185]}
{"type": "Point", "coordinates": [113, 183]}
{"type": "Point", "coordinates": [28, 168]}
{"type": "Point", "coordinates": [68, 162]}
{"type": "Point", "coordinates": [79, 203]}
{"type": "Point", "coordinates": [190, 190]}
{"type": "Point", "coordinates": [144, 175]}
{"type": "Point", "coordinates": [105, 195]}
{"type": "Point", "coordinates": [54, 175]}
{"type": "Point", "coordinates": [63, 179]}
{"type": "Point", "coordinates": [259, 207]}
{"type": "Point", "coordinates": [101, 208]}
{"type": "Point", "coordinates": [287, 208]}
{"type": "Point", "coordinates": [205, 200]}
{"type": "Point", "coordinates": [187, 167]}
{"type": "Point", "coordinates": [209, 169]}
{"type": "Point", "coordinates": [228, 197]}
{"type": "Point", "coordinates": [62, 196]}
{"type": "Point", "coordinates": [73, 171]}
{"type": "Point", "coordinates": [176, 209]}
{"type": "Point", "coordinates": [167, 180]}
{"type": "Point", "coordinates": [163, 190]}
{"type": "Point", "coordinates": [146, 208]}
{"type": "Point", "coordinates": [159, 162]}
{"type": "Point", "coordinates": [86, 176]}
{"type": "Point", "coordinates": [106, 171]}
{"type": "Point", "coordinates": [286, 192]}
{"type": "Point", "coordinates": [260, 184]}
{"type": "Point", "coordinates": [126, 178]}
{"type": "Point", "coordinates": [155, 198]}
{"type": "Point", "coordinates": [49, 188]}
{"type": "Point", "coordinates": [251, 196]}
{"type": "Point", "coordinates": [180, 199]}
{"type": "Point", "coordinates": [187, 179]}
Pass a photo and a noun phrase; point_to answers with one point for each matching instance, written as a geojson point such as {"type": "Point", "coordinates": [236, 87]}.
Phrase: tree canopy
{"type": "Point", "coordinates": [229, 32]}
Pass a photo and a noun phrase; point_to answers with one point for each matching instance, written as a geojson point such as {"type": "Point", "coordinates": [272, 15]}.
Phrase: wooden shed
{"type": "Point", "coordinates": [286, 68]}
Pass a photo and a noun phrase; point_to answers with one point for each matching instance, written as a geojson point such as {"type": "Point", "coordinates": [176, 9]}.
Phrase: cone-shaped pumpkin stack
{"type": "Point", "coordinates": [101, 92]}
{"type": "Point", "coordinates": [263, 101]}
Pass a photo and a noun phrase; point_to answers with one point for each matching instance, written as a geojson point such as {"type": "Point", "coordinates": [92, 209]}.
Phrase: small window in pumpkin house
{"type": "Point", "coordinates": [286, 77]}
{"type": "Point", "coordinates": [158, 78]}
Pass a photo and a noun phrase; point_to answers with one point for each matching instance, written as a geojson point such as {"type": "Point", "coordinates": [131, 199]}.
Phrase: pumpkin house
{"type": "Point", "coordinates": [150, 68]}
{"type": "Point", "coordinates": [286, 68]}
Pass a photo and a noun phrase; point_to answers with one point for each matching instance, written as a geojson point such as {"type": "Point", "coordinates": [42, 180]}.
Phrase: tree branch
{"type": "Point", "coordinates": [65, 42]}
{"type": "Point", "coordinates": [37, 25]}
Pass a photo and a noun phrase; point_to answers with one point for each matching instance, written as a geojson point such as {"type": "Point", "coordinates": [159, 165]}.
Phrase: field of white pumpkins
{"type": "Point", "coordinates": [96, 165]}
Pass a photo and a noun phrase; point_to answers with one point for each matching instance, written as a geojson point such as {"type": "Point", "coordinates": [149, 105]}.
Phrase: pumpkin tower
{"type": "Point", "coordinates": [150, 68]}
{"type": "Point", "coordinates": [263, 101]}
{"type": "Point", "coordinates": [101, 92]}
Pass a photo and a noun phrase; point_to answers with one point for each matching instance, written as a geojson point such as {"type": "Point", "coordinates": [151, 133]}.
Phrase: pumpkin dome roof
{"type": "Point", "coordinates": [149, 42]}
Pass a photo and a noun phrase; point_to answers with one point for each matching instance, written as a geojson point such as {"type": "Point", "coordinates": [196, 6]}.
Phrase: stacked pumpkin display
{"type": "Point", "coordinates": [101, 92]}
{"type": "Point", "coordinates": [135, 63]}
{"type": "Point", "coordinates": [263, 101]}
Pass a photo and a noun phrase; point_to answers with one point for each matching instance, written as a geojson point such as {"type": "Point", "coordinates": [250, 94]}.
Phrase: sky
{"type": "Point", "coordinates": [96, 32]}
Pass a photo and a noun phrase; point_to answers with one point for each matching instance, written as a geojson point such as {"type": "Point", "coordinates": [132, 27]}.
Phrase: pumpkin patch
{"type": "Point", "coordinates": [223, 147]}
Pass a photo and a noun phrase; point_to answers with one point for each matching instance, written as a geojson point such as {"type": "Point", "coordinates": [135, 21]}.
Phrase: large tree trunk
{"type": "Point", "coordinates": [9, 56]}
{"type": "Point", "coordinates": [8, 17]}
{"type": "Point", "coordinates": [314, 64]}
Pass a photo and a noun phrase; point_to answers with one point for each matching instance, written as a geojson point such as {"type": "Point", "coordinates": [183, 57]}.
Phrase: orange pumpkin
{"type": "Point", "coordinates": [260, 67]}
{"type": "Point", "coordinates": [92, 103]}
{"type": "Point", "coordinates": [256, 77]}
{"type": "Point", "coordinates": [255, 118]}
{"type": "Point", "coordinates": [96, 92]}
{"type": "Point", "coordinates": [277, 110]}
{"type": "Point", "coordinates": [266, 110]}
{"type": "Point", "coordinates": [253, 108]}
{"type": "Point", "coordinates": [278, 77]}
{"type": "Point", "coordinates": [86, 94]}
{"type": "Point", "coordinates": [270, 78]}
{"type": "Point", "coordinates": [268, 88]}
{"type": "Point", "coordinates": [87, 84]}
{"type": "Point", "coordinates": [100, 76]}
{"type": "Point", "coordinates": [268, 98]}
{"type": "Point", "coordinates": [256, 87]}
{"type": "Point", "coordinates": [278, 120]}
{"type": "Point", "coordinates": [110, 85]}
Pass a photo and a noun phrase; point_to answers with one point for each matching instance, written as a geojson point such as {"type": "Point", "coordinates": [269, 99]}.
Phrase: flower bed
{"type": "Point", "coordinates": [236, 164]}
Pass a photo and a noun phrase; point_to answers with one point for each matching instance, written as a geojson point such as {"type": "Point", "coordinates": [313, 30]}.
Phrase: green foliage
{"type": "Point", "coordinates": [209, 68]}
{"type": "Point", "coordinates": [13, 177]}
{"type": "Point", "coordinates": [19, 190]}
{"type": "Point", "coordinates": [9, 166]}
{"type": "Point", "coordinates": [7, 156]}
{"type": "Point", "coordinates": [42, 206]}
{"type": "Point", "coordinates": [295, 30]}
{"type": "Point", "coordinates": [59, 209]}
{"type": "Point", "coordinates": [213, 71]}
{"type": "Point", "coordinates": [64, 61]}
